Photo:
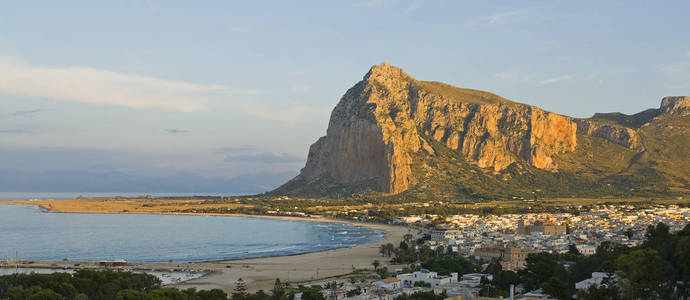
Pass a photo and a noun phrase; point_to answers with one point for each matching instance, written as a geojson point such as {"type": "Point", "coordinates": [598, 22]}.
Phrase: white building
{"type": "Point", "coordinates": [444, 234]}
{"type": "Point", "coordinates": [389, 284]}
{"type": "Point", "coordinates": [431, 278]}
{"type": "Point", "coordinates": [596, 280]}
{"type": "Point", "coordinates": [586, 249]}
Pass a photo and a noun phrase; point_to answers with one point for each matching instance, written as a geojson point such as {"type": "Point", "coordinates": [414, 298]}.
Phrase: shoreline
{"type": "Point", "coordinates": [257, 272]}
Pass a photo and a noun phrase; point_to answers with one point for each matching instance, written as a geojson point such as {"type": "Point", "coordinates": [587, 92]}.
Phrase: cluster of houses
{"type": "Point", "coordinates": [423, 280]}
{"type": "Point", "coordinates": [455, 286]}
{"type": "Point", "coordinates": [511, 237]}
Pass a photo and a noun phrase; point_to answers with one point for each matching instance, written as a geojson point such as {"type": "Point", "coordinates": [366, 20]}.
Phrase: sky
{"type": "Point", "coordinates": [240, 89]}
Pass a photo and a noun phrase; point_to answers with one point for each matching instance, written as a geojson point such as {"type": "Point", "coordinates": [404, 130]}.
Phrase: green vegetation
{"type": "Point", "coordinates": [90, 284]}
{"type": "Point", "coordinates": [459, 94]}
{"type": "Point", "coordinates": [116, 285]}
{"type": "Point", "coordinates": [633, 121]}
{"type": "Point", "coordinates": [441, 260]}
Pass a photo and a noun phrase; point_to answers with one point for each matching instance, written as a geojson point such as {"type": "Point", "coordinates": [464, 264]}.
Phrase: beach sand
{"type": "Point", "coordinates": [261, 273]}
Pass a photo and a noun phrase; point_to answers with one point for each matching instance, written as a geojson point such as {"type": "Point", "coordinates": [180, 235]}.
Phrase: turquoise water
{"type": "Point", "coordinates": [156, 238]}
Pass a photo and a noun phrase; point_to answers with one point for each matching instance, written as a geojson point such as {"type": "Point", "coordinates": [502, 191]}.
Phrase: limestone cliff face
{"type": "Point", "coordinates": [624, 136]}
{"type": "Point", "coordinates": [381, 122]}
{"type": "Point", "coordinates": [679, 105]}
{"type": "Point", "coordinates": [624, 129]}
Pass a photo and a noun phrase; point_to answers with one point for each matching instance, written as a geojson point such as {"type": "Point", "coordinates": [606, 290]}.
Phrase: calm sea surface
{"type": "Point", "coordinates": [37, 235]}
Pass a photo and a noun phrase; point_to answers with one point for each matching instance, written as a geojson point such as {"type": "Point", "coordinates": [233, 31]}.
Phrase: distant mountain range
{"type": "Point", "coordinates": [80, 181]}
{"type": "Point", "coordinates": [397, 136]}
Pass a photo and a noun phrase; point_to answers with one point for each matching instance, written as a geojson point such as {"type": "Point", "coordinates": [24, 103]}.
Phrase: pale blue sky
{"type": "Point", "coordinates": [223, 89]}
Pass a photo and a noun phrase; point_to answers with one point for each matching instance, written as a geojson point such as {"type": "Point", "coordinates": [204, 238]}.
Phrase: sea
{"type": "Point", "coordinates": [27, 232]}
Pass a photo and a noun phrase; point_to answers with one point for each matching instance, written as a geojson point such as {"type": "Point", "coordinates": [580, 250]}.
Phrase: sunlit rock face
{"type": "Point", "coordinates": [384, 118]}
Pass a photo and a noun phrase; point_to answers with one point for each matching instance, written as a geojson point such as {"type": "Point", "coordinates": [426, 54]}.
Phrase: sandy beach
{"type": "Point", "coordinates": [259, 273]}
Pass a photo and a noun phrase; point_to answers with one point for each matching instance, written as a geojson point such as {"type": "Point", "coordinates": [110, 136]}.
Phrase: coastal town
{"type": "Point", "coordinates": [508, 240]}
{"type": "Point", "coordinates": [512, 236]}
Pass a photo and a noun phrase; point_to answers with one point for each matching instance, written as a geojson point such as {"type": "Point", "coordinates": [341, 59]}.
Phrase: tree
{"type": "Point", "coordinates": [312, 294]}
{"type": "Point", "coordinates": [389, 248]}
{"type": "Point", "coordinates": [130, 295]}
{"type": "Point", "coordinates": [540, 268]}
{"type": "Point", "coordinates": [449, 264]}
{"type": "Point", "coordinates": [629, 233]}
{"type": "Point", "coordinates": [660, 239]}
{"type": "Point", "coordinates": [407, 237]}
{"type": "Point", "coordinates": [376, 264]}
{"type": "Point", "coordinates": [240, 290]}
{"type": "Point", "coordinates": [33, 293]}
{"type": "Point", "coordinates": [556, 288]}
{"type": "Point", "coordinates": [682, 262]}
{"type": "Point", "coordinates": [333, 289]}
{"type": "Point", "coordinates": [278, 291]}
{"type": "Point", "coordinates": [646, 274]}
{"type": "Point", "coordinates": [572, 250]}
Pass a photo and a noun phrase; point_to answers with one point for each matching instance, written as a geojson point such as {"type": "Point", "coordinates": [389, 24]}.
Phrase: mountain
{"type": "Point", "coordinates": [397, 136]}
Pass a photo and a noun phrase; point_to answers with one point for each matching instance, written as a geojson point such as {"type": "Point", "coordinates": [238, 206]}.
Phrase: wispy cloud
{"type": "Point", "coordinates": [414, 5]}
{"type": "Point", "coordinates": [601, 76]}
{"type": "Point", "coordinates": [26, 112]}
{"type": "Point", "coordinates": [103, 87]}
{"type": "Point", "coordinates": [175, 130]}
{"type": "Point", "coordinates": [235, 149]}
{"type": "Point", "coordinates": [556, 79]}
{"type": "Point", "coordinates": [286, 113]}
{"type": "Point", "coordinates": [505, 17]}
{"type": "Point", "coordinates": [268, 158]}
{"type": "Point", "coordinates": [512, 76]}
{"type": "Point", "coordinates": [372, 3]}
{"type": "Point", "coordinates": [14, 131]}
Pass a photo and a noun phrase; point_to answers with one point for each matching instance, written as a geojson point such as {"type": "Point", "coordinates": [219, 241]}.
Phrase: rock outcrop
{"type": "Point", "coordinates": [678, 105]}
{"type": "Point", "coordinates": [385, 118]}
{"type": "Point", "coordinates": [624, 136]}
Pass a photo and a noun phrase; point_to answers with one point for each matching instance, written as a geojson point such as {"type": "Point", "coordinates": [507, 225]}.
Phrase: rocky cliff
{"type": "Point", "coordinates": [389, 132]}
{"type": "Point", "coordinates": [679, 105]}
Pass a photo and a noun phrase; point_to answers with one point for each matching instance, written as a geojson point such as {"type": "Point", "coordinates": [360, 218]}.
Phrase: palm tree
{"type": "Point", "coordinates": [389, 248]}
{"type": "Point", "coordinates": [408, 237]}
{"type": "Point", "coordinates": [376, 264]}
